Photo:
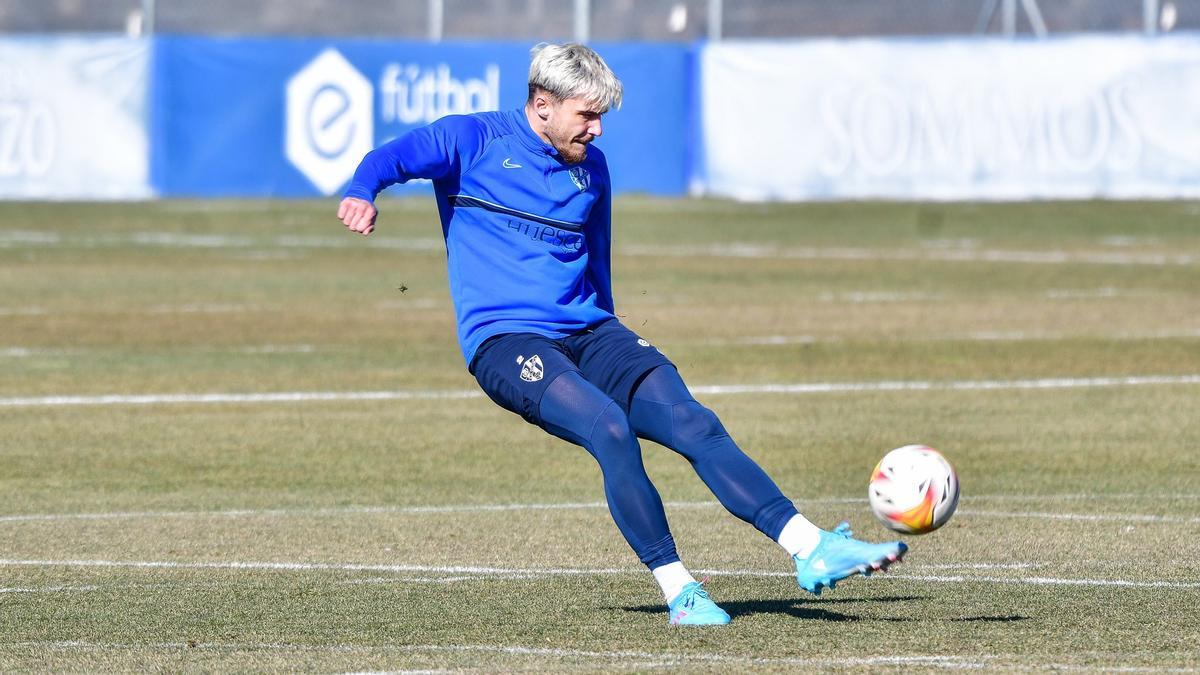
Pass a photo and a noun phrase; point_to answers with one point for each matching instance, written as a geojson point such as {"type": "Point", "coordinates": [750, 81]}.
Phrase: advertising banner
{"type": "Point", "coordinates": [73, 118]}
{"type": "Point", "coordinates": [1069, 117]}
{"type": "Point", "coordinates": [293, 117]}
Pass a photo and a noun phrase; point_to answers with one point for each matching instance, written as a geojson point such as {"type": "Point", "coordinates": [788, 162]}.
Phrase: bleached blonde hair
{"type": "Point", "coordinates": [573, 71]}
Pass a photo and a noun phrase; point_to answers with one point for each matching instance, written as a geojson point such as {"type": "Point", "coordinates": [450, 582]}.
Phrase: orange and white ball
{"type": "Point", "coordinates": [913, 490]}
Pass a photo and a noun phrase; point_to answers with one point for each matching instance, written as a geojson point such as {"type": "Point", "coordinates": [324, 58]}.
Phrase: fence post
{"type": "Point", "coordinates": [437, 20]}
{"type": "Point", "coordinates": [583, 20]}
{"type": "Point", "coordinates": [147, 17]}
{"type": "Point", "coordinates": [715, 18]}
{"type": "Point", "coordinates": [1150, 17]}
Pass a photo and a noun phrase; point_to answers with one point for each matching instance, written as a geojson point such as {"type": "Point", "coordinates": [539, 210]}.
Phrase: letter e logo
{"type": "Point", "coordinates": [330, 123]}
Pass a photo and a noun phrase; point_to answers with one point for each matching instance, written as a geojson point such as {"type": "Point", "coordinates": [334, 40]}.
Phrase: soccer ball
{"type": "Point", "coordinates": [913, 490]}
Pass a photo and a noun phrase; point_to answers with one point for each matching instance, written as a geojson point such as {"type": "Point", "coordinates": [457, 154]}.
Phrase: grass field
{"type": "Point", "coordinates": [234, 436]}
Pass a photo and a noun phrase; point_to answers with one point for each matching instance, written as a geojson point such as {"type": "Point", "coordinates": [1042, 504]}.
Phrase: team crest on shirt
{"type": "Point", "coordinates": [532, 370]}
{"type": "Point", "coordinates": [580, 177]}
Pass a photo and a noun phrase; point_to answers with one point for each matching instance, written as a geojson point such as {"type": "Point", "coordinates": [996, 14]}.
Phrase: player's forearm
{"type": "Point", "coordinates": [378, 169]}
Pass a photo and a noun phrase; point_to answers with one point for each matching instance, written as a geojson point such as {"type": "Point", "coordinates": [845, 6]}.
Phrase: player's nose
{"type": "Point", "coordinates": [595, 128]}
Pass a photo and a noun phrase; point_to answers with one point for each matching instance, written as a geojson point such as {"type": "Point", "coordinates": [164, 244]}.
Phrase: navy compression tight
{"type": "Point", "coordinates": [664, 411]}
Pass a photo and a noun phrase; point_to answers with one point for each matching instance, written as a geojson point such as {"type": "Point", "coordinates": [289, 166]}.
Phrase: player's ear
{"type": "Point", "coordinates": [542, 105]}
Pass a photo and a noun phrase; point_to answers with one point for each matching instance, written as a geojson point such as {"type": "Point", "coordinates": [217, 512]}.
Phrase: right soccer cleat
{"type": "Point", "coordinates": [693, 607]}
{"type": "Point", "coordinates": [839, 555]}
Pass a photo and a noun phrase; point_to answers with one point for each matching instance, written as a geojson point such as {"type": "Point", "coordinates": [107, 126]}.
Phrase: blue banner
{"type": "Point", "coordinates": [293, 117]}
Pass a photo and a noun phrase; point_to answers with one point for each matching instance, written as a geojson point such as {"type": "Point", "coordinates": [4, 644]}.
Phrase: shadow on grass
{"type": "Point", "coordinates": [993, 619]}
{"type": "Point", "coordinates": [798, 608]}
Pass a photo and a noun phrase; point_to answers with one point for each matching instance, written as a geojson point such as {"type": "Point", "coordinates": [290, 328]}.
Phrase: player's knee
{"type": "Point", "coordinates": [612, 423]}
{"type": "Point", "coordinates": [694, 424]}
{"type": "Point", "coordinates": [612, 435]}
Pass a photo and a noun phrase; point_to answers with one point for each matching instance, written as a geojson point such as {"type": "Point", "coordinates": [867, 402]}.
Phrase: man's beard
{"type": "Point", "coordinates": [572, 152]}
{"type": "Point", "coordinates": [572, 149]}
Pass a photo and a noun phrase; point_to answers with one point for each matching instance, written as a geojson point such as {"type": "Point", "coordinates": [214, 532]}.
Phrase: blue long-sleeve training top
{"type": "Point", "coordinates": [527, 235]}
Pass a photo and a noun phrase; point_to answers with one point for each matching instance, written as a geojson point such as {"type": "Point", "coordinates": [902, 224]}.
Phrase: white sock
{"type": "Point", "coordinates": [799, 537]}
{"type": "Point", "coordinates": [672, 577]}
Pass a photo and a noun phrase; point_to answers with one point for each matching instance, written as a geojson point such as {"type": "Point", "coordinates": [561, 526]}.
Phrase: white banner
{"type": "Point", "coordinates": [73, 118]}
{"type": "Point", "coordinates": [1071, 117]}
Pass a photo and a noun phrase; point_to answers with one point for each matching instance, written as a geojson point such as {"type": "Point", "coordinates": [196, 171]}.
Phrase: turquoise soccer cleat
{"type": "Point", "coordinates": [693, 607]}
{"type": "Point", "coordinates": [839, 555]}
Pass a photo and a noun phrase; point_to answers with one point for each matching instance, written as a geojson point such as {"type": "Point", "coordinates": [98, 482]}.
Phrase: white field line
{"type": "Point", "coordinates": [22, 311]}
{"type": "Point", "coordinates": [967, 385]}
{"type": "Point", "coordinates": [49, 589]}
{"type": "Point", "coordinates": [376, 581]}
{"type": "Point", "coordinates": [974, 336]}
{"type": "Point", "coordinates": [30, 352]}
{"type": "Point", "coordinates": [273, 397]}
{"type": "Point", "coordinates": [414, 303]}
{"type": "Point", "coordinates": [14, 238]}
{"type": "Point", "coordinates": [319, 567]}
{"type": "Point", "coordinates": [1086, 496]}
{"type": "Point", "coordinates": [962, 579]}
{"type": "Point", "coordinates": [278, 349]}
{"type": "Point", "coordinates": [203, 308]}
{"type": "Point", "coordinates": [1093, 517]}
{"type": "Point", "coordinates": [213, 206]}
{"type": "Point", "coordinates": [973, 566]}
{"type": "Point", "coordinates": [641, 659]}
{"type": "Point", "coordinates": [664, 658]}
{"type": "Point", "coordinates": [20, 352]}
{"type": "Point", "coordinates": [401, 510]}
{"type": "Point", "coordinates": [1127, 240]}
{"type": "Point", "coordinates": [873, 297]}
{"type": "Point", "coordinates": [751, 341]}
{"type": "Point", "coordinates": [429, 394]}
{"type": "Point", "coordinates": [1082, 294]}
{"type": "Point", "coordinates": [761, 251]}
{"type": "Point", "coordinates": [260, 254]}
{"type": "Point", "coordinates": [1109, 668]}
{"type": "Point", "coordinates": [1048, 581]}
{"type": "Point", "coordinates": [233, 513]}
{"type": "Point", "coordinates": [573, 506]}
{"type": "Point", "coordinates": [536, 572]}
{"type": "Point", "coordinates": [209, 308]}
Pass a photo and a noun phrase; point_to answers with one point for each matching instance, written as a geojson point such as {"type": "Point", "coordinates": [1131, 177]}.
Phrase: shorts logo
{"type": "Point", "coordinates": [580, 177]}
{"type": "Point", "coordinates": [643, 343]}
{"type": "Point", "coordinates": [532, 371]}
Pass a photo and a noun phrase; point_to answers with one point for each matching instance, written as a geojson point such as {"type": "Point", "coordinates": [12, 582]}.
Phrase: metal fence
{"type": "Point", "coordinates": [597, 20]}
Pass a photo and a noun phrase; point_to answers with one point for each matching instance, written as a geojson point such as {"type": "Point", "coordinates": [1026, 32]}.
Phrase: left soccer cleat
{"type": "Point", "coordinates": [839, 555]}
{"type": "Point", "coordinates": [693, 607]}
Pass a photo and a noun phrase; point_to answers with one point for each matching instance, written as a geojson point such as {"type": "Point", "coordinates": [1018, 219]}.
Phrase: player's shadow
{"type": "Point", "coordinates": [993, 619]}
{"type": "Point", "coordinates": [819, 610]}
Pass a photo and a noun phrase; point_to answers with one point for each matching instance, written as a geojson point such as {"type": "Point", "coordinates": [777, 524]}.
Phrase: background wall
{"type": "Point", "coordinates": [1115, 116]}
{"type": "Point", "coordinates": [610, 20]}
{"type": "Point", "coordinates": [293, 117]}
{"type": "Point", "coordinates": [73, 118]}
{"type": "Point", "coordinates": [952, 118]}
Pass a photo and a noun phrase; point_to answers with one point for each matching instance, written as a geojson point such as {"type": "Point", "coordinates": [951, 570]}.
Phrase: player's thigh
{"type": "Point", "coordinates": [515, 370]}
{"type": "Point", "coordinates": [615, 359]}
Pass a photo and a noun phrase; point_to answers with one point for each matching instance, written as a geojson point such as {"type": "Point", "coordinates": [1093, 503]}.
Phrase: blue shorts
{"type": "Point", "coordinates": [514, 369]}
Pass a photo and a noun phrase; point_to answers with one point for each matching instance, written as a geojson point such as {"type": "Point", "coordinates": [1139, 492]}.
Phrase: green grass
{"type": "Point", "coordinates": [1074, 546]}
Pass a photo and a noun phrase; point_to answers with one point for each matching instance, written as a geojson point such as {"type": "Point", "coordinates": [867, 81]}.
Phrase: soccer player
{"type": "Point", "coordinates": [525, 204]}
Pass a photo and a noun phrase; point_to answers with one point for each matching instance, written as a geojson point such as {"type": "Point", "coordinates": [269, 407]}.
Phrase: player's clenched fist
{"type": "Point", "coordinates": [358, 214]}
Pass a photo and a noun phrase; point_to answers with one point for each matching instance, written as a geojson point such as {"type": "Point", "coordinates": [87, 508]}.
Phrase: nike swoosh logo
{"type": "Point", "coordinates": [507, 163]}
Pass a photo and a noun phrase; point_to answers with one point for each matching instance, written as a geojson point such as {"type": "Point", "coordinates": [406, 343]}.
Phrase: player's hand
{"type": "Point", "coordinates": [358, 214]}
